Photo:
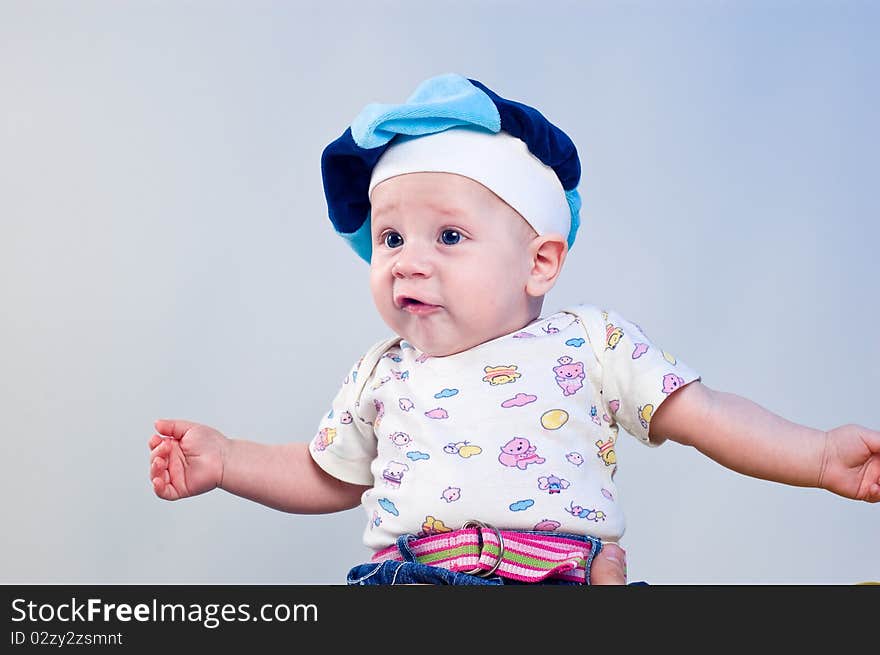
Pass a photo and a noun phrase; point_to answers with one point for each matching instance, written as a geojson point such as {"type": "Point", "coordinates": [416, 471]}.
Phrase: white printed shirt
{"type": "Point", "coordinates": [517, 432]}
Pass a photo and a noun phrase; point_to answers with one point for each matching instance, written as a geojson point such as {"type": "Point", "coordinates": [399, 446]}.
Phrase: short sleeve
{"type": "Point", "coordinates": [345, 444]}
{"type": "Point", "coordinates": [637, 374]}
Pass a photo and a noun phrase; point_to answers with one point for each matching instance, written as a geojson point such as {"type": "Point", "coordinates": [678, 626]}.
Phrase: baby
{"type": "Point", "coordinates": [480, 437]}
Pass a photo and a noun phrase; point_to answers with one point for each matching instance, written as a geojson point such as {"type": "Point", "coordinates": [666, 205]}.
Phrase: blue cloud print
{"type": "Point", "coordinates": [519, 505]}
{"type": "Point", "coordinates": [577, 343]}
{"type": "Point", "coordinates": [416, 455]}
{"type": "Point", "coordinates": [446, 393]}
{"type": "Point", "coordinates": [388, 506]}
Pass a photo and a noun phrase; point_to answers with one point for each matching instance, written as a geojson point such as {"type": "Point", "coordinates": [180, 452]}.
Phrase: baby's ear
{"type": "Point", "coordinates": [546, 255]}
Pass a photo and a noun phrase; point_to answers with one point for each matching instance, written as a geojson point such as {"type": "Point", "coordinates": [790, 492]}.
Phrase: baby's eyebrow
{"type": "Point", "coordinates": [444, 210]}
{"type": "Point", "coordinates": [382, 209]}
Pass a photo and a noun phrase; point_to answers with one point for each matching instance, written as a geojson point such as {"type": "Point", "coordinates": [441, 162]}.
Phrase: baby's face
{"type": "Point", "coordinates": [450, 262]}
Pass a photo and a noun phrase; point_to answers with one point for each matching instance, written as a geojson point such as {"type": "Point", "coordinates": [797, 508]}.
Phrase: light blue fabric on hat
{"type": "Point", "coordinates": [437, 104]}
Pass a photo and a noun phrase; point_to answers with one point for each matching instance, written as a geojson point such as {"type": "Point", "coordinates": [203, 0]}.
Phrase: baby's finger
{"type": "Point", "coordinates": [874, 494]}
{"type": "Point", "coordinates": [164, 490]}
{"type": "Point", "coordinates": [872, 438]}
{"type": "Point", "coordinates": [154, 441]}
{"type": "Point", "coordinates": [159, 487]}
{"type": "Point", "coordinates": [157, 466]}
{"type": "Point", "coordinates": [173, 428]}
{"type": "Point", "coordinates": [609, 566]}
{"type": "Point", "coordinates": [161, 448]}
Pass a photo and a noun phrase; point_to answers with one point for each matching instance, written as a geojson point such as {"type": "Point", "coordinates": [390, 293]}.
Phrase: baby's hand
{"type": "Point", "coordinates": [851, 464]}
{"type": "Point", "coordinates": [188, 461]}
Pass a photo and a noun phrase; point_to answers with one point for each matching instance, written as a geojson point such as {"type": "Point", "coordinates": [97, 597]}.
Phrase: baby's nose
{"type": "Point", "coordinates": [413, 260]}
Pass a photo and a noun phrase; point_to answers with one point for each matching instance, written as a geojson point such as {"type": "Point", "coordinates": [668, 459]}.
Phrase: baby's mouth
{"type": "Point", "coordinates": [416, 306]}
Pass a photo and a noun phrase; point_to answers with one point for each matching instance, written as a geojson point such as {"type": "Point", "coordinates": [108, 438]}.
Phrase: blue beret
{"type": "Point", "coordinates": [437, 104]}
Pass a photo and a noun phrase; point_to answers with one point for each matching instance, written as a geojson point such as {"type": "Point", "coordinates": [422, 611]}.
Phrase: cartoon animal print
{"type": "Point", "coordinates": [451, 494]}
{"type": "Point", "coordinates": [547, 525]}
{"type": "Point", "coordinates": [671, 382]}
{"type": "Point", "coordinates": [552, 484]}
{"type": "Point", "coordinates": [496, 375]}
{"type": "Point", "coordinates": [519, 452]}
{"type": "Point", "coordinates": [433, 526]}
{"type": "Point", "coordinates": [645, 415]}
{"type": "Point", "coordinates": [380, 413]}
{"type": "Point", "coordinates": [325, 438]}
{"type": "Point", "coordinates": [400, 439]}
{"type": "Point", "coordinates": [606, 452]}
{"type": "Point", "coordinates": [595, 515]}
{"type": "Point", "coordinates": [569, 375]}
{"type": "Point", "coordinates": [392, 475]}
{"type": "Point", "coordinates": [613, 335]}
{"type": "Point", "coordinates": [462, 448]}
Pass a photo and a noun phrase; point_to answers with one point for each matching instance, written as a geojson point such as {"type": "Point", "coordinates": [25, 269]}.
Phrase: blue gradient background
{"type": "Point", "coordinates": [165, 252]}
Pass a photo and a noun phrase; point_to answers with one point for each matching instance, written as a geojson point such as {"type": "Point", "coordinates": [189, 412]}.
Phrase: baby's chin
{"type": "Point", "coordinates": [444, 348]}
{"type": "Point", "coordinates": [451, 339]}
{"type": "Point", "coordinates": [438, 350]}
{"type": "Point", "coordinates": [441, 347]}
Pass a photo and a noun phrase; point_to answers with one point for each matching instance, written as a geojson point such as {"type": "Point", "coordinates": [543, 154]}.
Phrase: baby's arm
{"type": "Point", "coordinates": [285, 477]}
{"type": "Point", "coordinates": [193, 458]}
{"type": "Point", "coordinates": [743, 436]}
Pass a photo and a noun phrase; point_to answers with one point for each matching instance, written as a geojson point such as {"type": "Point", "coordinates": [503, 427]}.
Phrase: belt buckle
{"type": "Point", "coordinates": [479, 524]}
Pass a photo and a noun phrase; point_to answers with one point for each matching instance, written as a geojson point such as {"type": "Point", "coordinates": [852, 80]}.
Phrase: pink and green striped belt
{"type": "Point", "coordinates": [481, 549]}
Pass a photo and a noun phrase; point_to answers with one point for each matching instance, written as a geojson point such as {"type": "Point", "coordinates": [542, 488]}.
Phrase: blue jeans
{"type": "Point", "coordinates": [411, 571]}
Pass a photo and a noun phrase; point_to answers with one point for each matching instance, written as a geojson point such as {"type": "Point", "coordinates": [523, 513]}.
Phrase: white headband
{"type": "Point", "coordinates": [498, 161]}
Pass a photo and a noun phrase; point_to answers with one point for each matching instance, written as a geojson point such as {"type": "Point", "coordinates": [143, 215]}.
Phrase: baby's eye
{"type": "Point", "coordinates": [450, 237]}
{"type": "Point", "coordinates": [393, 240]}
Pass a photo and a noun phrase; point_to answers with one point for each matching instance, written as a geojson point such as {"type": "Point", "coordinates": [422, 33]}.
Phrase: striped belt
{"type": "Point", "coordinates": [481, 549]}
